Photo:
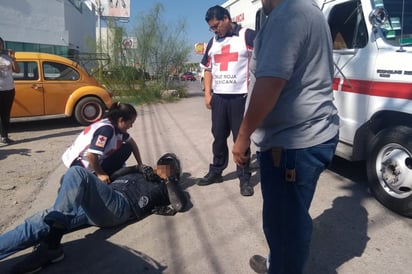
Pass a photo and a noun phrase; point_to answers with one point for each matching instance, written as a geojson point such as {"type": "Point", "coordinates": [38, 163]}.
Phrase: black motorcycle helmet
{"type": "Point", "coordinates": [170, 159]}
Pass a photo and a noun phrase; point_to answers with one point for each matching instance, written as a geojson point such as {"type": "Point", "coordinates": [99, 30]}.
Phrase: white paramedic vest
{"type": "Point", "coordinates": [80, 147]}
{"type": "Point", "coordinates": [229, 64]}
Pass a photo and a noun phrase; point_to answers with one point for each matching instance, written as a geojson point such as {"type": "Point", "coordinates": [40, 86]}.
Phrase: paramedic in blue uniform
{"type": "Point", "coordinates": [225, 65]}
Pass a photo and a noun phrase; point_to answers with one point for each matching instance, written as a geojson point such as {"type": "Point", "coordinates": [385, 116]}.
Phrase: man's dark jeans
{"type": "Point", "coordinates": [288, 184]}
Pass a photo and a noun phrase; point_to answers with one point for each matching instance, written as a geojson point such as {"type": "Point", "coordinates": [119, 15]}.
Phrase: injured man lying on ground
{"type": "Point", "coordinates": [84, 200]}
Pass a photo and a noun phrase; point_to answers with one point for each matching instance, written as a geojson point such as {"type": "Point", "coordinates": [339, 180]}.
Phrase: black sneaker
{"type": "Point", "coordinates": [6, 141]}
{"type": "Point", "coordinates": [258, 264]}
{"type": "Point", "coordinates": [41, 257]}
{"type": "Point", "coordinates": [210, 178]}
{"type": "Point", "coordinates": [246, 189]}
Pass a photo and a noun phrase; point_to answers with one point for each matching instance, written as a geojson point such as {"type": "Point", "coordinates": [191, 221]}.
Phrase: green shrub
{"type": "Point", "coordinates": [150, 93]}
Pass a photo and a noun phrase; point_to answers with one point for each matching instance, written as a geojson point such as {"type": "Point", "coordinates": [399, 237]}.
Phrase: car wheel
{"type": "Point", "coordinates": [89, 110]}
{"type": "Point", "coordinates": [389, 169]}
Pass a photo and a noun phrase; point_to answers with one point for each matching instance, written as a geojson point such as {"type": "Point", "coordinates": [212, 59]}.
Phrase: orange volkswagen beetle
{"type": "Point", "coordinates": [52, 86]}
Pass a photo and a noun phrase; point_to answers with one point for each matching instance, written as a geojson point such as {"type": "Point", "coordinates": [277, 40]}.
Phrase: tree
{"type": "Point", "coordinates": [161, 48]}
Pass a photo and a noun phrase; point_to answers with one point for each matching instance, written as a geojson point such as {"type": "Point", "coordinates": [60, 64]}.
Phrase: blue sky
{"type": "Point", "coordinates": [193, 11]}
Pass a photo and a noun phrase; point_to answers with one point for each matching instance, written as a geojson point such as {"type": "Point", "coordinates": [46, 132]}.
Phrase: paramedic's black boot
{"type": "Point", "coordinates": [245, 188]}
{"type": "Point", "coordinates": [177, 197]}
{"type": "Point", "coordinates": [210, 178]}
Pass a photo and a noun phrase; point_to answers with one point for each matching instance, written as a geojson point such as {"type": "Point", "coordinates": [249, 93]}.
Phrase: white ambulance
{"type": "Point", "coordinates": [372, 85]}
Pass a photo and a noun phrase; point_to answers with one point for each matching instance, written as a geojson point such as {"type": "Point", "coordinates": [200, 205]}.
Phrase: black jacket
{"type": "Point", "coordinates": [144, 196]}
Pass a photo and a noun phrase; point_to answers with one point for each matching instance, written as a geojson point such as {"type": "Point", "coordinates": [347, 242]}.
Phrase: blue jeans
{"type": "Point", "coordinates": [288, 183]}
{"type": "Point", "coordinates": [82, 200]}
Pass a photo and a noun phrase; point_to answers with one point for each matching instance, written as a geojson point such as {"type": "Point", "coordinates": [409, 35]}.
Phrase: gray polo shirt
{"type": "Point", "coordinates": [295, 44]}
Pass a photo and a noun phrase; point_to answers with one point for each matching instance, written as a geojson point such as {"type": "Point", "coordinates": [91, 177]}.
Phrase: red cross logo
{"type": "Point", "coordinates": [101, 141]}
{"type": "Point", "coordinates": [225, 57]}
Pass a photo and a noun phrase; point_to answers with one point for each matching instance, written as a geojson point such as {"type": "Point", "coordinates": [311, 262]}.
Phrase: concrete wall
{"type": "Point", "coordinates": [55, 22]}
{"type": "Point", "coordinates": [81, 27]}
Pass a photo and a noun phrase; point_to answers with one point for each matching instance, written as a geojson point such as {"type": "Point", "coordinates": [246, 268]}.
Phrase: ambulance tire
{"type": "Point", "coordinates": [389, 166]}
{"type": "Point", "coordinates": [88, 110]}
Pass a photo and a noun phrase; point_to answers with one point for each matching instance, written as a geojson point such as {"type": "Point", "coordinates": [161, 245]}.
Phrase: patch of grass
{"type": "Point", "coordinates": [149, 93]}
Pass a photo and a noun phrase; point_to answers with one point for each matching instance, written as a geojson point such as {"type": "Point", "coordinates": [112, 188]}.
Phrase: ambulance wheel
{"type": "Point", "coordinates": [389, 169]}
{"type": "Point", "coordinates": [88, 110]}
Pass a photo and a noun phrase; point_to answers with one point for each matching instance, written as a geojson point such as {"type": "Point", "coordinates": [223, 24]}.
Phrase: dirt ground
{"type": "Point", "coordinates": [25, 165]}
{"type": "Point", "coordinates": [221, 229]}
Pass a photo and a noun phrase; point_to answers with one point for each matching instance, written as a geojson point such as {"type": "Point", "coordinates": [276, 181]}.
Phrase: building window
{"type": "Point", "coordinates": [53, 49]}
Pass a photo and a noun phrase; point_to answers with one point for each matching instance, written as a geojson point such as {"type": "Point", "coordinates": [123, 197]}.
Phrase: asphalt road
{"type": "Point", "coordinates": [353, 233]}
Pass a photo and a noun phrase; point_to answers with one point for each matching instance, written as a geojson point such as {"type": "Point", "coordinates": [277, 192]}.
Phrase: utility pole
{"type": "Point", "coordinates": [99, 26]}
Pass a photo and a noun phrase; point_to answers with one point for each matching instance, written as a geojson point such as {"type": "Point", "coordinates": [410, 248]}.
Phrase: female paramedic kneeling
{"type": "Point", "coordinates": [104, 146]}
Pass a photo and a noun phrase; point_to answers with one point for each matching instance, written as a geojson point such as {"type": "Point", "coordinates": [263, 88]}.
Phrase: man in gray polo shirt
{"type": "Point", "coordinates": [291, 118]}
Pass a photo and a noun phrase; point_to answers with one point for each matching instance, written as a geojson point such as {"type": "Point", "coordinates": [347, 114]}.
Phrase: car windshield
{"type": "Point", "coordinates": [397, 29]}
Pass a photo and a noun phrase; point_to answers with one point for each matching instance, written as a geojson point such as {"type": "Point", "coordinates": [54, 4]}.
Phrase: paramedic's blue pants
{"type": "Point", "coordinates": [117, 160]}
{"type": "Point", "coordinates": [227, 115]}
{"type": "Point", "coordinates": [286, 221]}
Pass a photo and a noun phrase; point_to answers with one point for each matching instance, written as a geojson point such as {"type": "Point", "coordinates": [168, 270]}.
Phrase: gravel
{"type": "Point", "coordinates": [26, 164]}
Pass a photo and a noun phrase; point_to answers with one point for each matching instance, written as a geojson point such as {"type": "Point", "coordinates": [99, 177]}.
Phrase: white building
{"type": "Point", "coordinates": [62, 27]}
